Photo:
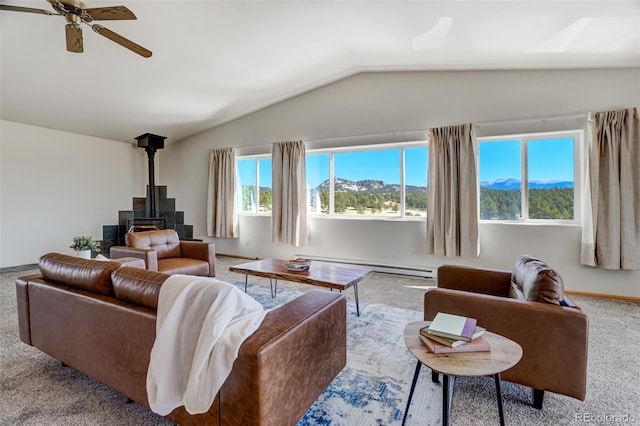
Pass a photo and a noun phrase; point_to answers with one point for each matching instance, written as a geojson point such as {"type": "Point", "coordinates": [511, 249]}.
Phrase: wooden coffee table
{"type": "Point", "coordinates": [319, 274]}
{"type": "Point", "coordinates": [504, 354]}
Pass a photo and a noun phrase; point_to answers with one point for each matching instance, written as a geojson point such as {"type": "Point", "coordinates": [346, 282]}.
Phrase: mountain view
{"type": "Point", "coordinates": [499, 199]}
{"type": "Point", "coordinates": [512, 183]}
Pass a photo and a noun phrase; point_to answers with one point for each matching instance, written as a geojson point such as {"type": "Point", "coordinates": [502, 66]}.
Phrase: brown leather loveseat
{"type": "Point", "coordinates": [163, 251]}
{"type": "Point", "coordinates": [99, 318]}
{"type": "Point", "coordinates": [553, 332]}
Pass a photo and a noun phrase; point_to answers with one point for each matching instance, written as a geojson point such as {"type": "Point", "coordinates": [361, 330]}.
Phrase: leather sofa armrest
{"type": "Point", "coordinates": [22, 298]}
{"type": "Point", "coordinates": [554, 338]}
{"type": "Point", "coordinates": [477, 280]}
{"type": "Point", "coordinates": [149, 256]}
{"type": "Point", "coordinates": [288, 362]}
{"type": "Point", "coordinates": [201, 251]}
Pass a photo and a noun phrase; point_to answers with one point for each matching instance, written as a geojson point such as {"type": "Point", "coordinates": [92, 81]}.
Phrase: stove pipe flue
{"type": "Point", "coordinates": [151, 143]}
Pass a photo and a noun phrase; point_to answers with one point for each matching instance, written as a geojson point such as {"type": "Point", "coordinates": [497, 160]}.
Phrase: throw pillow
{"type": "Point", "coordinates": [515, 292]}
{"type": "Point", "coordinates": [537, 281]}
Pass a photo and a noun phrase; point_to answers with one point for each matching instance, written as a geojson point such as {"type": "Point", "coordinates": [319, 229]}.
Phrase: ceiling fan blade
{"type": "Point", "coordinates": [121, 40]}
{"type": "Point", "coordinates": [110, 13]}
{"type": "Point", "coordinates": [25, 9]}
{"type": "Point", "coordinates": [74, 38]}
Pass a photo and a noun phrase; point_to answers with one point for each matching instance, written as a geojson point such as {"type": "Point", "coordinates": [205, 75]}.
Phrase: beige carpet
{"type": "Point", "coordinates": [36, 390]}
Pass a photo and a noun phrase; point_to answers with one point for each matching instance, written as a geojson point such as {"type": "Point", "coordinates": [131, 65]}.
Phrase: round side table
{"type": "Point", "coordinates": [504, 354]}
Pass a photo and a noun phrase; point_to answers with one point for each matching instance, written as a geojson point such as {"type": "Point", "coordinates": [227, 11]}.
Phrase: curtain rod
{"type": "Point", "coordinates": [530, 120]}
{"type": "Point", "coordinates": [480, 124]}
{"type": "Point", "coordinates": [337, 138]}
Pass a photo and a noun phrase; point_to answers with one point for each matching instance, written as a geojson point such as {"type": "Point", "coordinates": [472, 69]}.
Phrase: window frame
{"type": "Point", "coordinates": [239, 188]}
{"type": "Point", "coordinates": [525, 138]}
{"type": "Point", "coordinates": [402, 146]}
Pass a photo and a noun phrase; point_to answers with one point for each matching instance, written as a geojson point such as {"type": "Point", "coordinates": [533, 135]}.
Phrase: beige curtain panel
{"type": "Point", "coordinates": [452, 196]}
{"type": "Point", "coordinates": [611, 238]}
{"type": "Point", "coordinates": [289, 224]}
{"type": "Point", "coordinates": [222, 220]}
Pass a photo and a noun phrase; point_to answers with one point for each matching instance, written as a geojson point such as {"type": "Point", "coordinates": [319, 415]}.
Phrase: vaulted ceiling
{"type": "Point", "coordinates": [214, 61]}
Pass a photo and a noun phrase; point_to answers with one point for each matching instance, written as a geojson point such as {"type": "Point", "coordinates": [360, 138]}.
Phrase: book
{"type": "Point", "coordinates": [452, 343]}
{"type": "Point", "coordinates": [477, 345]}
{"type": "Point", "coordinates": [479, 331]}
{"type": "Point", "coordinates": [453, 326]}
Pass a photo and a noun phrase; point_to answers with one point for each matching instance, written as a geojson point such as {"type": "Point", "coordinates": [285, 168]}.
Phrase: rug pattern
{"type": "Point", "coordinates": [374, 386]}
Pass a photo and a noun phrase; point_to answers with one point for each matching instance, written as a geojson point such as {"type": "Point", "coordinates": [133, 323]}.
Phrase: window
{"type": "Point", "coordinates": [529, 177]}
{"type": "Point", "coordinates": [368, 181]}
{"type": "Point", "coordinates": [415, 187]}
{"type": "Point", "coordinates": [389, 181]}
{"type": "Point", "coordinates": [254, 173]}
{"type": "Point", "coordinates": [318, 183]}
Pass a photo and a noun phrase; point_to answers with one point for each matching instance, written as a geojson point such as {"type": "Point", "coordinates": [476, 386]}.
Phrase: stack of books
{"type": "Point", "coordinates": [298, 265]}
{"type": "Point", "coordinates": [450, 333]}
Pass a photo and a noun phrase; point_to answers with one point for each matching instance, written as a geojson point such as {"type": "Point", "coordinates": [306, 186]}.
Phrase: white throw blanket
{"type": "Point", "coordinates": [200, 326]}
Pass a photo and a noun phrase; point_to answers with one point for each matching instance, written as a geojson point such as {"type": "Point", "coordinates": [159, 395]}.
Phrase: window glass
{"type": "Point", "coordinates": [247, 197]}
{"type": "Point", "coordinates": [318, 184]}
{"type": "Point", "coordinates": [500, 180]}
{"type": "Point", "coordinates": [415, 181]}
{"type": "Point", "coordinates": [364, 183]}
{"type": "Point", "coordinates": [550, 172]}
{"type": "Point", "coordinates": [367, 183]}
{"type": "Point", "coordinates": [264, 170]}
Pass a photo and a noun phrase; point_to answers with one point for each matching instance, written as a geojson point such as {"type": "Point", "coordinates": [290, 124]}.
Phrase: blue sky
{"type": "Point", "coordinates": [379, 165]}
{"type": "Point", "coordinates": [548, 159]}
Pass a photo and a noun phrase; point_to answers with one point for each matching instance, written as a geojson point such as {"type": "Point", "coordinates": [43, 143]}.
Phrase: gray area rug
{"type": "Point", "coordinates": [371, 390]}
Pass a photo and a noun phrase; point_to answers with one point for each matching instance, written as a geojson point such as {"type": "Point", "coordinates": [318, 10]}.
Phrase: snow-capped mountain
{"type": "Point", "coordinates": [512, 183]}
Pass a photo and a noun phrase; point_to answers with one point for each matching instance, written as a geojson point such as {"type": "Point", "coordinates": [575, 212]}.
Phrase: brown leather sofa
{"type": "Point", "coordinates": [163, 251]}
{"type": "Point", "coordinates": [99, 318]}
{"type": "Point", "coordinates": [553, 336]}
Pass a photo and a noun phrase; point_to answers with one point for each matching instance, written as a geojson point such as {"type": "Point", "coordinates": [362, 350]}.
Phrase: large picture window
{"type": "Point", "coordinates": [363, 182]}
{"type": "Point", "coordinates": [529, 177]}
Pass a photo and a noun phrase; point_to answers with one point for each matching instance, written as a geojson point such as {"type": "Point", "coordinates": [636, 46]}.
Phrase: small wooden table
{"type": "Point", "coordinates": [504, 354]}
{"type": "Point", "coordinates": [319, 274]}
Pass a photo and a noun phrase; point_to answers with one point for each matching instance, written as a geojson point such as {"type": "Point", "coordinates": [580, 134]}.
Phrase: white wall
{"type": "Point", "coordinates": [372, 103]}
{"type": "Point", "coordinates": [55, 185]}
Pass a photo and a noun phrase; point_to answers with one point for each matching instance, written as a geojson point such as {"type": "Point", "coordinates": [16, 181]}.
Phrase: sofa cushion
{"type": "Point", "coordinates": [537, 281]}
{"type": "Point", "coordinates": [138, 286]}
{"type": "Point", "coordinates": [86, 274]}
{"type": "Point", "coordinates": [165, 242]}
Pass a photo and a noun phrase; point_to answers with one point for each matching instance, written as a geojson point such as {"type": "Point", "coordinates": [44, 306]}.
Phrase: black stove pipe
{"type": "Point", "coordinates": [151, 143]}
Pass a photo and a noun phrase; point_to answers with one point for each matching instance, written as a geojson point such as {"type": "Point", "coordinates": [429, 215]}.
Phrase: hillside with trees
{"type": "Point", "coordinates": [374, 197]}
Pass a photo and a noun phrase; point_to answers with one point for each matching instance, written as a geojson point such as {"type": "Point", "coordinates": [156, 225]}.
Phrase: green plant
{"type": "Point", "coordinates": [84, 242]}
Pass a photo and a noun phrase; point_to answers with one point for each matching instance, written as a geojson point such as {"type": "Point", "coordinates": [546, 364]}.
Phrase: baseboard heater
{"type": "Point", "coordinates": [412, 271]}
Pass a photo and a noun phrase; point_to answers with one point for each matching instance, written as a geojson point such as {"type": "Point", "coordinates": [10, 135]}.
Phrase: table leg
{"type": "Point", "coordinates": [499, 396]}
{"type": "Point", "coordinates": [246, 280]}
{"type": "Point", "coordinates": [355, 290]}
{"type": "Point", "coordinates": [447, 390]}
{"type": "Point", "coordinates": [413, 387]}
{"type": "Point", "coordinates": [273, 283]}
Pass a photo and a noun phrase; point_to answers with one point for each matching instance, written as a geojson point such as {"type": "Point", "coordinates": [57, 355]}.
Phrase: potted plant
{"type": "Point", "coordinates": [84, 245]}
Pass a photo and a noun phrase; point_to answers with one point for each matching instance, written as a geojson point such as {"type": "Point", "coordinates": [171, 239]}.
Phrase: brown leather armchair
{"type": "Point", "coordinates": [554, 337]}
{"type": "Point", "coordinates": [163, 251]}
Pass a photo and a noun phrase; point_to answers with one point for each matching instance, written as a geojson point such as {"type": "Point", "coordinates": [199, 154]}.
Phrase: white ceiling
{"type": "Point", "coordinates": [214, 61]}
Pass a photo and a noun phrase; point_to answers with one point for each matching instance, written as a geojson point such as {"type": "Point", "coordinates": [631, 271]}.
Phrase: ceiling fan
{"type": "Point", "coordinates": [76, 13]}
